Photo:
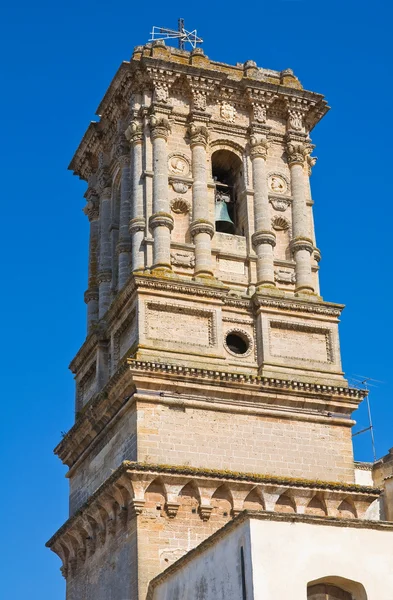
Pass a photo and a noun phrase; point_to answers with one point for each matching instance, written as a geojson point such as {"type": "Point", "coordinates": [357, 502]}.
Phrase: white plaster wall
{"type": "Point", "coordinates": [286, 556]}
{"type": "Point", "coordinates": [214, 574]}
{"type": "Point", "coordinates": [281, 558]}
{"type": "Point", "coordinates": [364, 477]}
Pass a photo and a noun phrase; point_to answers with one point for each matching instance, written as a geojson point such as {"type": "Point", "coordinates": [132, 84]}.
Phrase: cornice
{"type": "Point", "coordinates": [263, 383]}
{"type": "Point", "coordinates": [133, 76]}
{"type": "Point", "coordinates": [122, 497]}
{"type": "Point", "coordinates": [311, 307]}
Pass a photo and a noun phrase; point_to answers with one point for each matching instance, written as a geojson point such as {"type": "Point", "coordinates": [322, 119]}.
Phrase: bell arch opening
{"type": "Point", "coordinates": [227, 173]}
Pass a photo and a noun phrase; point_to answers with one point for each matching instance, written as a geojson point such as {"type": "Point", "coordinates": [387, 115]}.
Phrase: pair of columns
{"type": "Point", "coordinates": [161, 221]}
{"type": "Point", "coordinates": [264, 239]}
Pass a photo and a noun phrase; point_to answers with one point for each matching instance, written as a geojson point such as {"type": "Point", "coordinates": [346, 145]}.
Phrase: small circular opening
{"type": "Point", "coordinates": [236, 343]}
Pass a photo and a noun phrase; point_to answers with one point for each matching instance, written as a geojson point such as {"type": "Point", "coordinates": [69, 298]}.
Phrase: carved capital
{"type": "Point", "coordinates": [159, 128]}
{"type": "Point", "coordinates": [91, 295]}
{"type": "Point", "coordinates": [104, 276]}
{"type": "Point", "coordinates": [161, 219]}
{"type": "Point", "coordinates": [258, 148]}
{"type": "Point", "coordinates": [134, 132]}
{"type": "Point", "coordinates": [136, 224]}
{"type": "Point", "coordinates": [199, 135]}
{"type": "Point", "coordinates": [202, 226]}
{"type": "Point", "coordinates": [301, 243]}
{"type": "Point", "coordinates": [263, 237]}
{"type": "Point", "coordinates": [296, 153]}
{"type": "Point", "coordinates": [123, 246]}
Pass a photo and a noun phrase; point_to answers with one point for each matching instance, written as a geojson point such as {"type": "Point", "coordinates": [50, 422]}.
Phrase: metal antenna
{"type": "Point", "coordinates": [366, 384]}
{"type": "Point", "coordinates": [181, 34]}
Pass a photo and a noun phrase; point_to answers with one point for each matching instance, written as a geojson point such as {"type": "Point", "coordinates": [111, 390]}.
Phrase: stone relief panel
{"type": "Point", "coordinates": [279, 203]}
{"type": "Point", "coordinates": [277, 183]}
{"type": "Point", "coordinates": [180, 325]}
{"type": "Point", "coordinates": [227, 112]}
{"type": "Point", "coordinates": [284, 276]}
{"type": "Point", "coordinates": [179, 164]}
{"type": "Point", "coordinates": [301, 342]}
{"type": "Point", "coordinates": [186, 260]}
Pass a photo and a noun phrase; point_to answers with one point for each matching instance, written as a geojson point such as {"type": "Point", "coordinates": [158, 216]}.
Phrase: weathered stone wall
{"type": "Point", "coordinates": [118, 443]}
{"type": "Point", "coordinates": [111, 571]}
{"type": "Point", "coordinates": [221, 440]}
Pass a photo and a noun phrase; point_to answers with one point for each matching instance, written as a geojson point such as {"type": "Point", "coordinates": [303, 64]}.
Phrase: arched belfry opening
{"type": "Point", "coordinates": [227, 175]}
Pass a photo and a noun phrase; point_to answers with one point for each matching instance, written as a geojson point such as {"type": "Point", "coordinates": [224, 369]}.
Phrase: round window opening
{"type": "Point", "coordinates": [237, 343]}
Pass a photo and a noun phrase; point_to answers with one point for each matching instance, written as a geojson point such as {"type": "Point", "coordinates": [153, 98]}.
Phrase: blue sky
{"type": "Point", "coordinates": [57, 60]}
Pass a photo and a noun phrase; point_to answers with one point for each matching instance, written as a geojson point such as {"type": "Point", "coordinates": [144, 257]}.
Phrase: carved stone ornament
{"type": "Point", "coordinates": [134, 132]}
{"type": "Point", "coordinates": [277, 184]}
{"type": "Point", "coordinates": [283, 276]}
{"type": "Point", "coordinates": [278, 203]}
{"type": "Point", "coordinates": [295, 120]}
{"type": "Point", "coordinates": [280, 223]}
{"type": "Point", "coordinates": [161, 92]}
{"type": "Point", "coordinates": [159, 127]}
{"type": "Point", "coordinates": [259, 113]}
{"type": "Point", "coordinates": [104, 178]}
{"type": "Point", "coordinates": [228, 112]}
{"type": "Point", "coordinates": [178, 164]}
{"type": "Point", "coordinates": [180, 187]}
{"type": "Point", "coordinates": [91, 209]}
{"type": "Point", "coordinates": [198, 135]}
{"type": "Point", "coordinates": [182, 259]}
{"type": "Point", "coordinates": [180, 206]}
{"type": "Point", "coordinates": [296, 153]}
{"type": "Point", "coordinates": [199, 100]}
{"type": "Point", "coordinates": [258, 148]}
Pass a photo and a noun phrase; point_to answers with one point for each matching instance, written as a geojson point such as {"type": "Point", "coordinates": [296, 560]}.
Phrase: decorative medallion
{"type": "Point", "coordinates": [180, 187]}
{"type": "Point", "coordinates": [179, 164]}
{"type": "Point", "coordinates": [277, 184]}
{"type": "Point", "coordinates": [280, 223]}
{"type": "Point", "coordinates": [180, 206]}
{"type": "Point", "coordinates": [228, 112]}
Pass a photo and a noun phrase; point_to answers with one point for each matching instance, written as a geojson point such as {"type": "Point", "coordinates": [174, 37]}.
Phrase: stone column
{"type": "Point", "coordinates": [124, 244]}
{"type": "Point", "coordinates": [302, 245]}
{"type": "Point", "coordinates": [264, 239]}
{"type": "Point", "coordinates": [91, 294]}
{"type": "Point", "coordinates": [104, 269]}
{"type": "Point", "coordinates": [202, 229]}
{"type": "Point", "coordinates": [137, 222]}
{"type": "Point", "coordinates": [161, 221]}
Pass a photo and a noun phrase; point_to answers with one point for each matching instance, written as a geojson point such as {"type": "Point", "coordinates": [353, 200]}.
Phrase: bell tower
{"type": "Point", "coordinates": [210, 379]}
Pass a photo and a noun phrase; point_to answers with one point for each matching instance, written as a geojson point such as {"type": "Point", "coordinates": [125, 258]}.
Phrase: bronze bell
{"type": "Point", "coordinates": [224, 223]}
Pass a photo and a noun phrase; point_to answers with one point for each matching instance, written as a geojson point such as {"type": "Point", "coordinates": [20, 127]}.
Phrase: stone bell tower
{"type": "Point", "coordinates": [210, 379]}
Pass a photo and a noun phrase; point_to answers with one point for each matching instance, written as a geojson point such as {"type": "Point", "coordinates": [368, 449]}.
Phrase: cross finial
{"type": "Point", "coordinates": [181, 34]}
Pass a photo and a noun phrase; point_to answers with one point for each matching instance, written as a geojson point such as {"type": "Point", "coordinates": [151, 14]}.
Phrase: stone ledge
{"type": "Point", "coordinates": [123, 497]}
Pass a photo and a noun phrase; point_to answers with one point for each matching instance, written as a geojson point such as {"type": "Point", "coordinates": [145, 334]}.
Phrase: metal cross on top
{"type": "Point", "coordinates": [182, 35]}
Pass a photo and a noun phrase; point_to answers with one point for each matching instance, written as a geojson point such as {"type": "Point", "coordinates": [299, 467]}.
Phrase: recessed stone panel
{"type": "Point", "coordinates": [302, 342]}
{"type": "Point", "coordinates": [180, 324]}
